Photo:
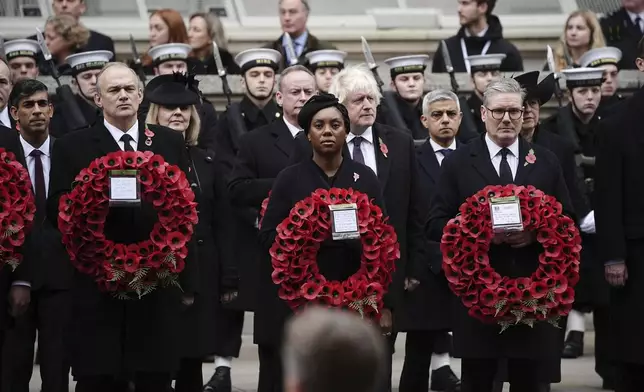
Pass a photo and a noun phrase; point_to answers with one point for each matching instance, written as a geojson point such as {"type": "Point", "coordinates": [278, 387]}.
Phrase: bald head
{"type": "Point", "coordinates": [332, 350]}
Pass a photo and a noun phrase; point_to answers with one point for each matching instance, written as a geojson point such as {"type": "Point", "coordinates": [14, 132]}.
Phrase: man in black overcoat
{"type": "Point", "coordinates": [425, 311]}
{"type": "Point", "coordinates": [112, 340]}
{"type": "Point", "coordinates": [263, 153]}
{"type": "Point", "coordinates": [389, 152]}
{"type": "Point", "coordinates": [45, 279]}
{"type": "Point", "coordinates": [620, 232]}
{"type": "Point", "coordinates": [499, 158]}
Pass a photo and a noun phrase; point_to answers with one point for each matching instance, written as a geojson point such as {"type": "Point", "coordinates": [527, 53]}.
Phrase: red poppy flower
{"type": "Point", "coordinates": [514, 294]}
{"type": "Point", "coordinates": [488, 297]}
{"type": "Point", "coordinates": [561, 284]}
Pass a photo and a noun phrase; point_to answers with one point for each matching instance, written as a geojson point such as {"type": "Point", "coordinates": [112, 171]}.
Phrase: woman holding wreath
{"type": "Point", "coordinates": [325, 122]}
{"type": "Point", "coordinates": [173, 106]}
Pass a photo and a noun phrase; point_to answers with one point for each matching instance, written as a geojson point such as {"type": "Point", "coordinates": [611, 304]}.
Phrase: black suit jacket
{"type": "Point", "coordinates": [262, 155]}
{"type": "Point", "coordinates": [46, 264]}
{"type": "Point", "coordinates": [126, 333]}
{"type": "Point", "coordinates": [466, 172]}
{"type": "Point", "coordinates": [621, 32]}
{"type": "Point", "coordinates": [312, 44]}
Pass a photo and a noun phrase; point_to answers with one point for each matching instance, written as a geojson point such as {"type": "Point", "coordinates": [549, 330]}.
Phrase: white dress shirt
{"type": "Point", "coordinates": [117, 134]}
{"type": "Point", "coordinates": [294, 130]}
{"type": "Point", "coordinates": [495, 155]}
{"type": "Point", "coordinates": [437, 147]}
{"type": "Point", "coordinates": [4, 117]}
{"type": "Point", "coordinates": [368, 148]}
{"type": "Point", "coordinates": [634, 16]}
{"type": "Point", "coordinates": [31, 161]}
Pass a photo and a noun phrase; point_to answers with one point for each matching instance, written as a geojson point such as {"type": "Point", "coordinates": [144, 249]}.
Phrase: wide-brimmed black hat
{"type": "Point", "coordinates": [542, 91]}
{"type": "Point", "coordinates": [171, 90]}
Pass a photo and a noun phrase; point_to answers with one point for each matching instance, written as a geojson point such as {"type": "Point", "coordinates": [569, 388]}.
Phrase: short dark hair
{"type": "Point", "coordinates": [25, 88]}
{"type": "Point", "coordinates": [490, 5]}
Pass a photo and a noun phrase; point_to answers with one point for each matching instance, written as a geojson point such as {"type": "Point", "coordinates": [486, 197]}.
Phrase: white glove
{"type": "Point", "coordinates": [587, 224]}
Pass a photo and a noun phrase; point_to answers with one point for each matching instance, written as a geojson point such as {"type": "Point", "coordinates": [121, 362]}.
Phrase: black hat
{"type": "Point", "coordinates": [171, 90]}
{"type": "Point", "coordinates": [542, 91]}
{"type": "Point", "coordinates": [317, 103]}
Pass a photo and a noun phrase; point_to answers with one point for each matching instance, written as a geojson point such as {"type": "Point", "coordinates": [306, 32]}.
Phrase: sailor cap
{"type": "Point", "coordinates": [169, 52]}
{"type": "Point", "coordinates": [407, 64]}
{"type": "Point", "coordinates": [258, 57]}
{"type": "Point", "coordinates": [85, 61]}
{"type": "Point", "coordinates": [21, 48]}
{"type": "Point", "coordinates": [600, 56]}
{"type": "Point", "coordinates": [486, 62]}
{"type": "Point", "coordinates": [583, 77]}
{"type": "Point", "coordinates": [326, 59]}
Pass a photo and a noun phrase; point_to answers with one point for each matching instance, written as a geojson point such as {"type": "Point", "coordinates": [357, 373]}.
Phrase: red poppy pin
{"type": "Point", "coordinates": [149, 134]}
{"type": "Point", "coordinates": [530, 158]}
{"type": "Point", "coordinates": [383, 147]}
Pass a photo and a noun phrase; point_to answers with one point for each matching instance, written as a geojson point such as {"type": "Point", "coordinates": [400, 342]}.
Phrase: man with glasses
{"type": "Point", "coordinates": [577, 122]}
{"type": "Point", "coordinates": [500, 158]}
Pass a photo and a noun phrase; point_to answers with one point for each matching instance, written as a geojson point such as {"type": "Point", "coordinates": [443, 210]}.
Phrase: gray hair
{"type": "Point", "coordinates": [291, 69]}
{"type": "Point", "coordinates": [113, 64]}
{"type": "Point", "coordinates": [333, 350]}
{"type": "Point", "coordinates": [305, 3]}
{"type": "Point", "coordinates": [357, 78]}
{"type": "Point", "coordinates": [503, 86]}
{"type": "Point", "coordinates": [437, 96]}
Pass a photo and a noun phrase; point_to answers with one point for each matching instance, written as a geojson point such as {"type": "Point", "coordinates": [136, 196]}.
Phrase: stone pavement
{"type": "Point", "coordinates": [578, 374]}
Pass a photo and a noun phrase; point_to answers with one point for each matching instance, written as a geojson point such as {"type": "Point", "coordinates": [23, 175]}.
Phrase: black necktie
{"type": "Point", "coordinates": [505, 173]}
{"type": "Point", "coordinates": [638, 24]}
{"type": "Point", "coordinates": [126, 139]}
{"type": "Point", "coordinates": [39, 182]}
{"type": "Point", "coordinates": [357, 152]}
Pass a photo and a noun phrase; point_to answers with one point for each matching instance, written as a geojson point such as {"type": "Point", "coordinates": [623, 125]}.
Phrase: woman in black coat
{"type": "Point", "coordinates": [326, 123]}
{"type": "Point", "coordinates": [173, 105]}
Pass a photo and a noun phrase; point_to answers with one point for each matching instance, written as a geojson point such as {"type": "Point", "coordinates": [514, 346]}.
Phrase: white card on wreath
{"type": "Point", "coordinates": [506, 214]}
{"type": "Point", "coordinates": [344, 221]}
{"type": "Point", "coordinates": [123, 188]}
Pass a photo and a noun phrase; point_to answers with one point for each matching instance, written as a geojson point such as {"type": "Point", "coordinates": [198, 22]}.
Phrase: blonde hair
{"type": "Point", "coordinates": [214, 27]}
{"type": "Point", "coordinates": [596, 37]}
{"type": "Point", "coordinates": [357, 78]}
{"type": "Point", "coordinates": [191, 134]}
{"type": "Point", "coordinates": [70, 30]}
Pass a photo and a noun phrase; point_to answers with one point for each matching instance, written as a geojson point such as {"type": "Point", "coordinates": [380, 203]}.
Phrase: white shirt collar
{"type": "Point", "coordinates": [117, 133]}
{"type": "Point", "coordinates": [438, 147]}
{"type": "Point", "coordinates": [634, 16]}
{"type": "Point", "coordinates": [294, 130]}
{"type": "Point", "coordinates": [4, 117]}
{"type": "Point", "coordinates": [367, 135]}
{"type": "Point", "coordinates": [494, 149]}
{"type": "Point", "coordinates": [28, 148]}
{"type": "Point", "coordinates": [480, 34]}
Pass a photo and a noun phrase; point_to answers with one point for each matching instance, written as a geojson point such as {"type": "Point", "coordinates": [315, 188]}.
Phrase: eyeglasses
{"type": "Point", "coordinates": [438, 114]}
{"type": "Point", "coordinates": [498, 114]}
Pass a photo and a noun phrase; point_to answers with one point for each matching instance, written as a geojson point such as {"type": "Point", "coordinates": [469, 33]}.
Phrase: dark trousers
{"type": "Point", "coordinates": [48, 313]}
{"type": "Point", "coordinates": [144, 382]}
{"type": "Point", "coordinates": [477, 375]}
{"type": "Point", "coordinates": [270, 369]}
{"type": "Point", "coordinates": [419, 347]}
{"type": "Point", "coordinates": [630, 377]}
{"type": "Point", "coordinates": [603, 343]}
{"type": "Point", "coordinates": [390, 344]}
{"type": "Point", "coordinates": [189, 378]}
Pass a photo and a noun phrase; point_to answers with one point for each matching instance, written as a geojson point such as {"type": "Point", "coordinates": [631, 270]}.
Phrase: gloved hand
{"type": "Point", "coordinates": [587, 225]}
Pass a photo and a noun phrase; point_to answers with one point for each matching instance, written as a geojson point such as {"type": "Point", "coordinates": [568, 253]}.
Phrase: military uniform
{"type": "Point", "coordinates": [621, 32]}
{"type": "Point", "coordinates": [481, 63]}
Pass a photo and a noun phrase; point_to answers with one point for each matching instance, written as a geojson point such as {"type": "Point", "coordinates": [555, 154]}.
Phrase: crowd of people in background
{"type": "Point", "coordinates": [237, 156]}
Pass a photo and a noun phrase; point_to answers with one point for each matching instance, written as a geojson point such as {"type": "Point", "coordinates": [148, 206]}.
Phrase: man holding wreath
{"type": "Point", "coordinates": [114, 340]}
{"type": "Point", "coordinates": [500, 157]}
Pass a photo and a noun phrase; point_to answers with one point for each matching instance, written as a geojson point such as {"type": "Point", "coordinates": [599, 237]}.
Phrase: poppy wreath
{"type": "Point", "coordinates": [299, 236]}
{"type": "Point", "coordinates": [134, 270]}
{"type": "Point", "coordinates": [547, 295]}
{"type": "Point", "coordinates": [17, 208]}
